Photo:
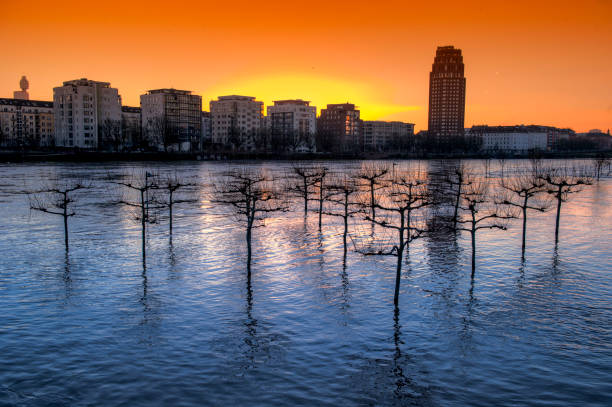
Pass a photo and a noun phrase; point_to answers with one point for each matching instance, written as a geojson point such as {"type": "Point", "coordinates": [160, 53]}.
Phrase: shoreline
{"type": "Point", "coordinates": [42, 156]}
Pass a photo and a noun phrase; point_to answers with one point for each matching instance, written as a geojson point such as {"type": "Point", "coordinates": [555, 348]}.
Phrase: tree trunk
{"type": "Point", "coordinates": [398, 273]}
{"type": "Point", "coordinates": [400, 255]}
{"type": "Point", "coordinates": [66, 230]}
{"type": "Point", "coordinates": [346, 216]}
{"type": "Point", "coordinates": [473, 231]}
{"type": "Point", "coordinates": [320, 202]}
{"type": "Point", "coordinates": [305, 197]}
{"type": "Point", "coordinates": [372, 203]}
{"type": "Point", "coordinates": [248, 240]}
{"type": "Point", "coordinates": [170, 210]}
{"type": "Point", "coordinates": [66, 219]}
{"type": "Point", "coordinates": [524, 228]}
{"type": "Point", "coordinates": [144, 224]}
{"type": "Point", "coordinates": [559, 199]}
{"type": "Point", "coordinates": [456, 212]}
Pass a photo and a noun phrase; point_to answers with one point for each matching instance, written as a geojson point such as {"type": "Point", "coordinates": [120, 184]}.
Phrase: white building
{"type": "Point", "coordinates": [26, 123]}
{"type": "Point", "coordinates": [87, 114]}
{"type": "Point", "coordinates": [382, 136]}
{"type": "Point", "coordinates": [235, 120]}
{"type": "Point", "coordinates": [511, 139]}
{"type": "Point", "coordinates": [172, 118]}
{"type": "Point", "coordinates": [294, 122]}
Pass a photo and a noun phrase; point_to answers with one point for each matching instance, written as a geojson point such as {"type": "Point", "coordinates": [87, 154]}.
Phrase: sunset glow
{"type": "Point", "coordinates": [544, 62]}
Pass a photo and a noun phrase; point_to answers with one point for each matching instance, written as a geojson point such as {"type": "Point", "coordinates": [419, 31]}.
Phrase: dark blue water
{"type": "Point", "coordinates": [95, 327]}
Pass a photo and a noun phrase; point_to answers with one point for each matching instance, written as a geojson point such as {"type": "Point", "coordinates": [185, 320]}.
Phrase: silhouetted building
{"type": "Point", "coordinates": [172, 118]}
{"type": "Point", "coordinates": [292, 123]}
{"type": "Point", "coordinates": [339, 128]}
{"type": "Point", "coordinates": [236, 120]}
{"type": "Point", "coordinates": [26, 123]}
{"type": "Point", "coordinates": [447, 94]}
{"type": "Point", "coordinates": [87, 113]}
{"type": "Point", "coordinates": [386, 136]}
{"type": "Point", "coordinates": [24, 85]}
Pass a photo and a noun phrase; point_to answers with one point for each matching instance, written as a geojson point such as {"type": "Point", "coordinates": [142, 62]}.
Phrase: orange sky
{"type": "Point", "coordinates": [537, 61]}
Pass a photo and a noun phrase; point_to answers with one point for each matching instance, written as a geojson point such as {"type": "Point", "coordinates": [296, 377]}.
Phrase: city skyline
{"type": "Point", "coordinates": [528, 64]}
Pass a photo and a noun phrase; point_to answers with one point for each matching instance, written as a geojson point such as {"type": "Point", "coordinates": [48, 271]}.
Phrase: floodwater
{"type": "Point", "coordinates": [95, 327]}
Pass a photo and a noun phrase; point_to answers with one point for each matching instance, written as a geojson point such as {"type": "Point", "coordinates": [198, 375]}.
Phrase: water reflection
{"type": "Point", "coordinates": [250, 325]}
{"type": "Point", "coordinates": [67, 277]}
{"type": "Point", "coordinates": [514, 332]}
{"type": "Point", "coordinates": [401, 381]}
{"type": "Point", "coordinates": [467, 331]}
{"type": "Point", "coordinates": [345, 286]}
{"type": "Point", "coordinates": [172, 258]}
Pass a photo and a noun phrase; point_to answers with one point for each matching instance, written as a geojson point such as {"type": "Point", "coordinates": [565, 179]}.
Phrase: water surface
{"type": "Point", "coordinates": [95, 327]}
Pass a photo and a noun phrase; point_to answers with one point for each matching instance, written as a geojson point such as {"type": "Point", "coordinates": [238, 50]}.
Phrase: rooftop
{"type": "Point", "coordinates": [521, 128]}
{"type": "Point", "coordinates": [386, 122]}
{"type": "Point", "coordinates": [341, 106]}
{"type": "Point", "coordinates": [170, 91]}
{"type": "Point", "coordinates": [236, 97]}
{"type": "Point", "coordinates": [130, 109]}
{"type": "Point", "coordinates": [292, 102]}
{"type": "Point", "coordinates": [23, 102]}
{"type": "Point", "coordinates": [86, 82]}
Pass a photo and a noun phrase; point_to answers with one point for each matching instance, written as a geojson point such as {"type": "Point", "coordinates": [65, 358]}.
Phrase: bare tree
{"type": "Point", "coordinates": [57, 199]}
{"type": "Point", "coordinates": [487, 166]}
{"type": "Point", "coordinates": [481, 214]}
{"type": "Point", "coordinates": [599, 163]}
{"type": "Point", "coordinates": [132, 134]}
{"type": "Point", "coordinates": [111, 134]}
{"type": "Point", "coordinates": [307, 177]}
{"type": "Point", "coordinates": [457, 181]}
{"type": "Point", "coordinates": [519, 192]}
{"type": "Point", "coordinates": [322, 172]}
{"type": "Point", "coordinates": [142, 184]}
{"type": "Point", "coordinates": [535, 159]}
{"type": "Point", "coordinates": [161, 130]}
{"type": "Point", "coordinates": [4, 137]}
{"type": "Point", "coordinates": [172, 185]}
{"type": "Point", "coordinates": [562, 182]}
{"type": "Point", "coordinates": [501, 159]}
{"type": "Point", "coordinates": [372, 176]}
{"type": "Point", "coordinates": [403, 200]}
{"type": "Point", "coordinates": [252, 197]}
{"type": "Point", "coordinates": [340, 193]}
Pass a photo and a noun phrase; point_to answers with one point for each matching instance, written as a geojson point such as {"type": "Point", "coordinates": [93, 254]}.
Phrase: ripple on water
{"type": "Point", "coordinates": [98, 327]}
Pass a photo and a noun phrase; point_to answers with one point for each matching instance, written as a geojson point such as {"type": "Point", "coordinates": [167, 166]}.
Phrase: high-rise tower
{"type": "Point", "coordinates": [447, 94]}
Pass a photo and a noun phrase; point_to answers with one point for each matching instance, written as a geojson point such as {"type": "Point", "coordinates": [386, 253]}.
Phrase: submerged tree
{"type": "Point", "coordinates": [562, 182]}
{"type": "Point", "coordinates": [457, 180]}
{"type": "Point", "coordinates": [340, 193]}
{"type": "Point", "coordinates": [307, 177]}
{"type": "Point", "coordinates": [401, 203]}
{"type": "Point", "coordinates": [520, 191]}
{"type": "Point", "coordinates": [320, 185]}
{"type": "Point", "coordinates": [142, 184]}
{"type": "Point", "coordinates": [599, 164]}
{"type": "Point", "coordinates": [476, 202]}
{"type": "Point", "coordinates": [171, 185]}
{"type": "Point", "coordinates": [57, 199]}
{"type": "Point", "coordinates": [372, 176]}
{"type": "Point", "coordinates": [252, 197]}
